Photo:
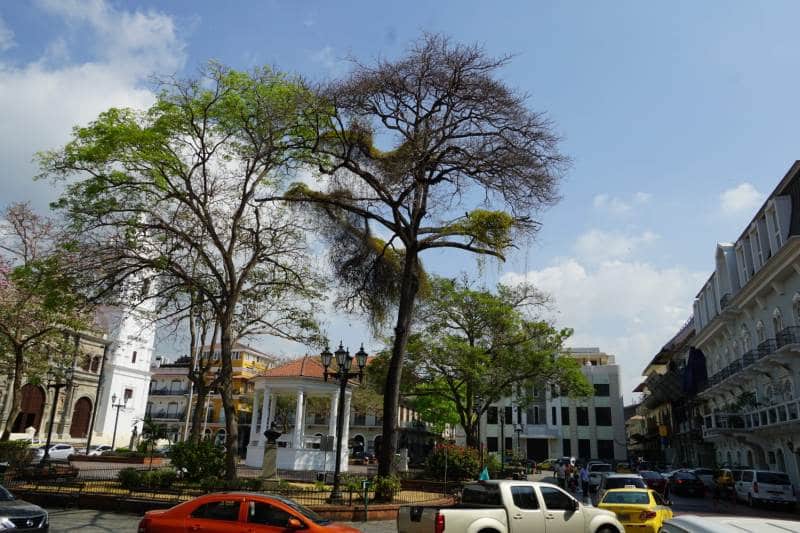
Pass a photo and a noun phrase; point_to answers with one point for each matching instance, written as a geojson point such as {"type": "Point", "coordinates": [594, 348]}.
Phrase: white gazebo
{"type": "Point", "coordinates": [302, 378]}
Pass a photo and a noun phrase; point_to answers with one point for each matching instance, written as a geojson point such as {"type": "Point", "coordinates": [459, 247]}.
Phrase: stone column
{"type": "Point", "coordinates": [255, 423]}
{"type": "Point", "coordinates": [333, 415]}
{"type": "Point", "coordinates": [298, 421]}
{"type": "Point", "coordinates": [346, 429]}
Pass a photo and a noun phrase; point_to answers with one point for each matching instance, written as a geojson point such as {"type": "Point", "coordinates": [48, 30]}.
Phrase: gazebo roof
{"type": "Point", "coordinates": [307, 366]}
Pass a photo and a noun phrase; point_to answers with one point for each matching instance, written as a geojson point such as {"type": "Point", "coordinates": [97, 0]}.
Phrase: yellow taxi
{"type": "Point", "coordinates": [724, 478]}
{"type": "Point", "coordinates": [638, 509]}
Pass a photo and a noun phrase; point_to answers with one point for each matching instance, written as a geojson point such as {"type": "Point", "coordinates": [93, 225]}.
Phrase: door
{"type": "Point", "coordinates": [216, 516]}
{"type": "Point", "coordinates": [562, 513]}
{"type": "Point", "coordinates": [79, 426]}
{"type": "Point", "coordinates": [537, 449]}
{"type": "Point", "coordinates": [525, 512]}
{"type": "Point", "coordinates": [743, 485]}
{"type": "Point", "coordinates": [263, 517]}
{"type": "Point", "coordinates": [31, 409]}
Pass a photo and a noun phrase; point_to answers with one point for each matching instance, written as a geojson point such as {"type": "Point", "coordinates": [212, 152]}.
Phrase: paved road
{"type": "Point", "coordinates": [88, 521]}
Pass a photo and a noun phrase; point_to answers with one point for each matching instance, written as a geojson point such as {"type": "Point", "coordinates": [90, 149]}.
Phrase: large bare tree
{"type": "Point", "coordinates": [161, 190]}
{"type": "Point", "coordinates": [431, 151]}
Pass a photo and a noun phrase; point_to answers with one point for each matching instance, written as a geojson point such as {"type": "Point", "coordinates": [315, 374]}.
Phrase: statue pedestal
{"type": "Point", "coordinates": [270, 467]}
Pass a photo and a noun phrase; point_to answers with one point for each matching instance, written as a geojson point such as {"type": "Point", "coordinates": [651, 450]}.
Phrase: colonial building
{"type": "Point", "coordinates": [747, 321]}
{"type": "Point", "coordinates": [171, 399]}
{"type": "Point", "coordinates": [555, 425]}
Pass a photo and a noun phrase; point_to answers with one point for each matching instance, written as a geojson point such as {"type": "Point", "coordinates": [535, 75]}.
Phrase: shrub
{"type": "Point", "coordinates": [494, 466]}
{"type": "Point", "coordinates": [198, 461]}
{"type": "Point", "coordinates": [129, 478]}
{"type": "Point", "coordinates": [460, 463]}
{"type": "Point", "coordinates": [350, 482]}
{"type": "Point", "coordinates": [386, 487]}
{"type": "Point", "coordinates": [17, 453]}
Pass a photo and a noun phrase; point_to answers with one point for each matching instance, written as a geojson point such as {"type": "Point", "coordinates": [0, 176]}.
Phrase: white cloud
{"type": "Point", "coordinates": [6, 36]}
{"type": "Point", "coordinates": [628, 308]}
{"type": "Point", "coordinates": [41, 101]}
{"type": "Point", "coordinates": [618, 206]}
{"type": "Point", "coordinates": [596, 246]}
{"type": "Point", "coordinates": [742, 199]}
{"type": "Point", "coordinates": [326, 56]}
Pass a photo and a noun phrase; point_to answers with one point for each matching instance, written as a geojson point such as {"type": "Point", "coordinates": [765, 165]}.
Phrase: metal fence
{"type": "Point", "coordinates": [73, 484]}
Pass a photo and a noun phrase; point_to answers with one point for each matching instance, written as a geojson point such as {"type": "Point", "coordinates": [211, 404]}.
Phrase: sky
{"type": "Point", "coordinates": [679, 117]}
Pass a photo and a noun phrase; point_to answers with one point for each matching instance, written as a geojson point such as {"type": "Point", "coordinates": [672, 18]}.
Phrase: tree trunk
{"type": "Point", "coordinates": [16, 392]}
{"type": "Point", "coordinates": [408, 294]}
{"type": "Point", "coordinates": [201, 393]}
{"type": "Point", "coordinates": [226, 394]}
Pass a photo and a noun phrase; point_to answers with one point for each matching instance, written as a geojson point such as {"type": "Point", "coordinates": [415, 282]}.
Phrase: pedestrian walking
{"type": "Point", "coordinates": [584, 481]}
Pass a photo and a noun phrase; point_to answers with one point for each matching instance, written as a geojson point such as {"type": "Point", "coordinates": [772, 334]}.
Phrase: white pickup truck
{"type": "Point", "coordinates": [509, 507]}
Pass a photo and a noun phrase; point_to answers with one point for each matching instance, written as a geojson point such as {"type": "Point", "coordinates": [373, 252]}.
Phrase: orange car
{"type": "Point", "coordinates": [237, 512]}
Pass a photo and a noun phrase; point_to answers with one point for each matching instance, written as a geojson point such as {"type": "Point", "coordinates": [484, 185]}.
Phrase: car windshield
{"type": "Point", "coordinates": [305, 511]}
{"type": "Point", "coordinates": [628, 497]}
{"type": "Point", "coordinates": [600, 468]}
{"type": "Point", "coordinates": [5, 496]}
{"type": "Point", "coordinates": [773, 478]}
{"type": "Point", "coordinates": [685, 475]}
{"type": "Point", "coordinates": [649, 474]}
{"type": "Point", "coordinates": [622, 482]}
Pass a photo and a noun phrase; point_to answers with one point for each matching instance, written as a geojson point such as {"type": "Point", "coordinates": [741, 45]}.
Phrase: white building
{"type": "Point", "coordinates": [747, 318]}
{"type": "Point", "coordinates": [554, 426]}
{"type": "Point", "coordinates": [125, 377]}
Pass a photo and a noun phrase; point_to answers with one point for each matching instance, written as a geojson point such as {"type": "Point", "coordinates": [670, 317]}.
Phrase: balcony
{"type": "Point", "coordinates": [720, 424]}
{"type": "Point", "coordinates": [768, 347]}
{"type": "Point", "coordinates": [169, 392]}
{"type": "Point", "coordinates": [167, 415]}
{"type": "Point", "coordinates": [787, 336]}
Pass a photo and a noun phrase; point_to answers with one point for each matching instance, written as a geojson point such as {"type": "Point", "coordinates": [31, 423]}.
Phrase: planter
{"type": "Point", "coordinates": [118, 459]}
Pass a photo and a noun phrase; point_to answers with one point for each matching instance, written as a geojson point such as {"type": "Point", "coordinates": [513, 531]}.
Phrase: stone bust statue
{"type": "Point", "coordinates": [272, 434]}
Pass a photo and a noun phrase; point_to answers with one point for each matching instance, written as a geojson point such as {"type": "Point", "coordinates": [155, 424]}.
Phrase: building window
{"type": "Point", "coordinates": [133, 357]}
{"type": "Point", "coordinates": [771, 458]}
{"type": "Point", "coordinates": [509, 443]}
{"type": "Point", "coordinates": [605, 449]}
{"type": "Point", "coordinates": [491, 444]}
{"type": "Point", "coordinates": [553, 416]}
{"type": "Point", "coordinates": [584, 449]}
{"type": "Point", "coordinates": [536, 414]}
{"type": "Point", "coordinates": [582, 415]}
{"type": "Point", "coordinates": [566, 447]}
{"type": "Point", "coordinates": [602, 416]}
{"type": "Point", "coordinates": [554, 391]}
{"type": "Point", "coordinates": [796, 308]}
{"type": "Point", "coordinates": [565, 416]}
{"type": "Point", "coordinates": [519, 415]}
{"type": "Point", "coordinates": [760, 335]}
{"type": "Point", "coordinates": [529, 415]}
{"type": "Point", "coordinates": [602, 389]}
{"type": "Point", "coordinates": [508, 417]}
{"type": "Point", "coordinates": [491, 415]}
{"type": "Point", "coordinates": [776, 228]}
{"type": "Point", "coordinates": [127, 395]}
{"type": "Point", "coordinates": [535, 392]}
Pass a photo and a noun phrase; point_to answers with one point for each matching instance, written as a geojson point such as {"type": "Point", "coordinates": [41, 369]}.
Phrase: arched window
{"type": "Point", "coordinates": [787, 391]}
{"type": "Point", "coordinates": [796, 308]}
{"type": "Point", "coordinates": [761, 336]}
{"type": "Point", "coordinates": [777, 321]}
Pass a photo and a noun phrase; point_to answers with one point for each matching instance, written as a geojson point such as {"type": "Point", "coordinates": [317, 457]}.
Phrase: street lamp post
{"type": "Point", "coordinates": [502, 438]}
{"type": "Point", "coordinates": [518, 431]}
{"type": "Point", "coordinates": [343, 362]}
{"type": "Point", "coordinates": [477, 408]}
{"type": "Point", "coordinates": [54, 382]}
{"type": "Point", "coordinates": [116, 406]}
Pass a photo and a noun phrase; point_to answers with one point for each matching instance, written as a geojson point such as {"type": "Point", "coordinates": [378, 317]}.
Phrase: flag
{"type": "Point", "coordinates": [484, 474]}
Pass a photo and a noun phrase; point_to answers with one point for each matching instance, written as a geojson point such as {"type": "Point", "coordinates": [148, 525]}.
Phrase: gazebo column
{"type": "Point", "coordinates": [346, 427]}
{"type": "Point", "coordinates": [299, 421]}
{"type": "Point", "coordinates": [256, 420]}
{"type": "Point", "coordinates": [266, 413]}
{"type": "Point", "coordinates": [333, 415]}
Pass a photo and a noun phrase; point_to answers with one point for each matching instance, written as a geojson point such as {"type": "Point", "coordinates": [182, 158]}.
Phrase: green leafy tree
{"type": "Point", "coordinates": [171, 192]}
{"type": "Point", "coordinates": [436, 153]}
{"type": "Point", "coordinates": [475, 347]}
{"type": "Point", "coordinates": [40, 310]}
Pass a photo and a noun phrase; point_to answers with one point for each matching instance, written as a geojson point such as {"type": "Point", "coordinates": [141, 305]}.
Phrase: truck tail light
{"type": "Point", "coordinates": [439, 528]}
{"type": "Point", "coordinates": [647, 515]}
{"type": "Point", "coordinates": [755, 487]}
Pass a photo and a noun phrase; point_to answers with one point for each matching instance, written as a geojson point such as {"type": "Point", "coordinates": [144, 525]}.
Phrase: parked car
{"type": "Point", "coordinates": [757, 486]}
{"type": "Point", "coordinates": [686, 483]}
{"type": "Point", "coordinates": [99, 449]}
{"type": "Point", "coordinates": [637, 509]}
{"type": "Point", "coordinates": [619, 481]}
{"type": "Point", "coordinates": [723, 478]}
{"type": "Point", "coordinates": [656, 482]}
{"type": "Point", "coordinates": [726, 524]}
{"type": "Point", "coordinates": [233, 512]}
{"type": "Point", "coordinates": [20, 515]}
{"type": "Point", "coordinates": [58, 452]}
{"type": "Point", "coordinates": [706, 475]}
{"type": "Point", "coordinates": [547, 464]}
{"type": "Point", "coordinates": [596, 472]}
{"type": "Point", "coordinates": [508, 507]}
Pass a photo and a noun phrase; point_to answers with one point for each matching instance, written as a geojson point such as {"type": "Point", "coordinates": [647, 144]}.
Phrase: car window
{"type": "Point", "coordinates": [659, 500]}
{"type": "Point", "coordinates": [649, 474]}
{"type": "Point", "coordinates": [481, 495]}
{"type": "Point", "coordinates": [628, 497]}
{"type": "Point", "coordinates": [685, 475]}
{"type": "Point", "coordinates": [747, 476]}
{"type": "Point", "coordinates": [737, 475]}
{"type": "Point", "coordinates": [218, 510]}
{"type": "Point", "coordinates": [524, 497]}
{"type": "Point", "coordinates": [773, 478]}
{"type": "Point", "coordinates": [557, 500]}
{"type": "Point", "coordinates": [268, 515]}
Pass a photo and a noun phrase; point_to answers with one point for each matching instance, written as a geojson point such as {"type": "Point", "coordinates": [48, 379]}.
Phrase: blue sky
{"type": "Point", "coordinates": [680, 117]}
